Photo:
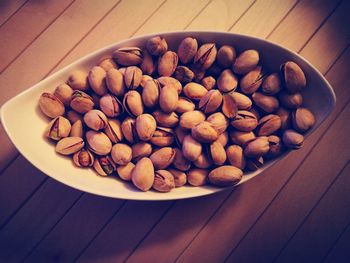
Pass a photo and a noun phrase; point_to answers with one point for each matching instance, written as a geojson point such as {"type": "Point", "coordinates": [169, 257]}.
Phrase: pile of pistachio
{"type": "Point", "coordinates": [161, 118]}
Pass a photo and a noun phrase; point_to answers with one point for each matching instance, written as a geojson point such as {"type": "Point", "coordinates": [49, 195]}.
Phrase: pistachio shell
{"type": "Point", "coordinates": [241, 138]}
{"type": "Point", "coordinates": [148, 65]}
{"type": "Point", "coordinates": [157, 46]}
{"type": "Point", "coordinates": [142, 175]}
{"type": "Point", "coordinates": [235, 156]}
{"type": "Point", "coordinates": [229, 106]}
{"type": "Point", "coordinates": [226, 55]}
{"type": "Point", "coordinates": [190, 119]}
{"type": "Point", "coordinates": [115, 82]}
{"type": "Point", "coordinates": [150, 93]}
{"type": "Point", "coordinates": [217, 153]}
{"type": "Point", "coordinates": [205, 56]}
{"type": "Point", "coordinates": [292, 139]}
{"type": "Point", "coordinates": [251, 81]}
{"type": "Point", "coordinates": [95, 119]}
{"type": "Point", "coordinates": [191, 148]}
{"type": "Point", "coordinates": [83, 158]}
{"type": "Point", "coordinates": [242, 101]}
{"type": "Point", "coordinates": [204, 132]}
{"type": "Point", "coordinates": [140, 150]}
{"type": "Point", "coordinates": [104, 165]}
{"type": "Point", "coordinates": [168, 120]}
{"type": "Point", "coordinates": [293, 77]}
{"type": "Point", "coordinates": [184, 74]}
{"type": "Point", "coordinates": [246, 61]}
{"type": "Point", "coordinates": [197, 176]}
{"type": "Point", "coordinates": [128, 56]}
{"type": "Point", "coordinates": [180, 178]}
{"type": "Point", "coordinates": [166, 81]}
{"type": "Point", "coordinates": [290, 101]}
{"type": "Point", "coordinates": [244, 121]}
{"type": "Point", "coordinates": [203, 161]}
{"type": "Point", "coordinates": [276, 147]}
{"type": "Point", "coordinates": [97, 77]}
{"type": "Point", "coordinates": [74, 116]}
{"type": "Point", "coordinates": [163, 137]}
{"type": "Point", "coordinates": [256, 148]}
{"type": "Point", "coordinates": [271, 84]}
{"type": "Point", "coordinates": [78, 80]}
{"type": "Point", "coordinates": [129, 130]}
{"type": "Point", "coordinates": [225, 175]}
{"type": "Point", "coordinates": [180, 134]}
{"type": "Point", "coordinates": [208, 82]}
{"type": "Point", "coordinates": [163, 181]}
{"type": "Point", "coordinates": [162, 157]}
{"type": "Point", "coordinates": [285, 117]}
{"type": "Point", "coordinates": [98, 142]}
{"type": "Point", "coordinates": [167, 64]}
{"type": "Point", "coordinates": [64, 93]}
{"type": "Point", "coordinates": [132, 103]}
{"type": "Point", "coordinates": [50, 105]}
{"type": "Point", "coordinates": [268, 104]}
{"type": "Point", "coordinates": [132, 77]}
{"type": "Point", "coordinates": [168, 99]}
{"type": "Point", "coordinates": [77, 129]}
{"type": "Point", "coordinates": [145, 126]}
{"type": "Point", "coordinates": [107, 64]}
{"type": "Point", "coordinates": [218, 121]}
{"type": "Point", "coordinates": [58, 128]}
{"type": "Point", "coordinates": [81, 102]}
{"type": "Point", "coordinates": [194, 91]}
{"type": "Point", "coordinates": [180, 162]}
{"type": "Point", "coordinates": [114, 131]}
{"type": "Point", "coordinates": [121, 153]}
{"type": "Point", "coordinates": [125, 171]}
{"type": "Point", "coordinates": [269, 124]}
{"type": "Point", "coordinates": [187, 49]}
{"type": "Point", "coordinates": [303, 119]}
{"type": "Point", "coordinates": [184, 105]}
{"type": "Point", "coordinates": [69, 145]}
{"type": "Point", "coordinates": [211, 101]}
{"type": "Point", "coordinates": [223, 138]}
{"type": "Point", "coordinates": [111, 106]}
{"type": "Point", "coordinates": [227, 81]}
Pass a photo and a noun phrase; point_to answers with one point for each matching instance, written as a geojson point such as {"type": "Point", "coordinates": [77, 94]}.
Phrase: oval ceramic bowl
{"type": "Point", "coordinates": [25, 124]}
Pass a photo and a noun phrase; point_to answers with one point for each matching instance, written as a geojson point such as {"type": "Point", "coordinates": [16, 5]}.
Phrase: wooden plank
{"type": "Point", "coordinates": [323, 226]}
{"type": "Point", "coordinates": [8, 8]}
{"type": "Point", "coordinates": [340, 253]}
{"type": "Point", "coordinates": [26, 25]}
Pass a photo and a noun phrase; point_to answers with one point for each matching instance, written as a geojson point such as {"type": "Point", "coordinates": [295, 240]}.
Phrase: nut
{"type": "Point", "coordinates": [225, 175]}
{"type": "Point", "coordinates": [271, 84]}
{"type": "Point", "coordinates": [290, 101]}
{"type": "Point", "coordinates": [246, 61]}
{"type": "Point", "coordinates": [258, 147]}
{"type": "Point", "coordinates": [50, 105]}
{"type": "Point", "coordinates": [132, 77]}
{"type": "Point", "coordinates": [208, 82]}
{"type": "Point", "coordinates": [293, 77]}
{"type": "Point", "coordinates": [216, 153]}
{"type": "Point", "coordinates": [121, 153]}
{"type": "Point", "coordinates": [194, 91]}
{"type": "Point", "coordinates": [125, 171]}
{"type": "Point", "coordinates": [167, 64]}
{"type": "Point", "coordinates": [180, 134]}
{"type": "Point", "coordinates": [115, 82]}
{"type": "Point", "coordinates": [69, 145]}
{"type": "Point", "coordinates": [104, 165]}
{"type": "Point", "coordinates": [163, 181]}
{"type": "Point", "coordinates": [150, 93]}
{"type": "Point", "coordinates": [77, 129]}
{"type": "Point", "coordinates": [191, 148]}
{"type": "Point", "coordinates": [268, 104]}
{"type": "Point", "coordinates": [244, 121]}
{"type": "Point", "coordinates": [218, 121]}
{"type": "Point", "coordinates": [157, 46]}
{"type": "Point", "coordinates": [145, 126]}
{"type": "Point", "coordinates": [197, 176]}
{"type": "Point", "coordinates": [187, 49]}
{"type": "Point", "coordinates": [180, 162]}
{"type": "Point", "coordinates": [184, 105]}
{"type": "Point", "coordinates": [114, 130]}
{"type": "Point", "coordinates": [74, 116]}
{"type": "Point", "coordinates": [184, 74]}
{"type": "Point", "coordinates": [269, 124]}
{"type": "Point", "coordinates": [128, 56]}
{"type": "Point", "coordinates": [223, 139]}
{"type": "Point", "coordinates": [204, 132]}
{"type": "Point", "coordinates": [203, 161]}
{"type": "Point", "coordinates": [180, 178]}
{"type": "Point", "coordinates": [276, 147]}
{"type": "Point", "coordinates": [111, 106]}
{"type": "Point", "coordinates": [303, 119]}
{"type": "Point", "coordinates": [98, 142]}
{"type": "Point", "coordinates": [227, 81]}
{"type": "Point", "coordinates": [241, 138]}
{"type": "Point", "coordinates": [242, 101]}
{"type": "Point", "coordinates": [166, 81]}
{"type": "Point", "coordinates": [64, 93]}
{"type": "Point", "coordinates": [81, 102]}
{"type": "Point", "coordinates": [168, 99]}
{"type": "Point", "coordinates": [58, 128]}
{"type": "Point", "coordinates": [78, 80]}
{"type": "Point", "coordinates": [162, 157]}
{"type": "Point", "coordinates": [83, 158]}
{"type": "Point", "coordinates": [229, 106]}
{"type": "Point", "coordinates": [107, 64]}
{"type": "Point", "coordinates": [292, 139]}
{"type": "Point", "coordinates": [129, 130]}
{"type": "Point", "coordinates": [205, 56]}
{"type": "Point", "coordinates": [190, 119]}
{"type": "Point", "coordinates": [226, 55]}
{"type": "Point", "coordinates": [211, 101]}
{"type": "Point", "coordinates": [285, 117]}
{"type": "Point", "coordinates": [163, 137]}
{"type": "Point", "coordinates": [235, 156]}
{"type": "Point", "coordinates": [142, 175]}
{"type": "Point", "coordinates": [95, 119]}
{"type": "Point", "coordinates": [168, 120]}
{"type": "Point", "coordinates": [251, 81]}
{"type": "Point", "coordinates": [132, 103]}
{"type": "Point", "coordinates": [147, 66]}
{"type": "Point", "coordinates": [97, 76]}
{"type": "Point", "coordinates": [140, 150]}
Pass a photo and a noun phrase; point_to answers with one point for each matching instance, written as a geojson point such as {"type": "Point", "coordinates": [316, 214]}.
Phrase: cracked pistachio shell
{"type": "Point", "coordinates": [77, 129]}
{"type": "Point", "coordinates": [242, 138]}
{"type": "Point", "coordinates": [64, 93]}
{"type": "Point", "coordinates": [58, 128]}
{"type": "Point", "coordinates": [290, 101]}
{"type": "Point", "coordinates": [208, 82]}
{"type": "Point", "coordinates": [271, 84]}
{"type": "Point", "coordinates": [229, 106]}
{"type": "Point", "coordinates": [163, 181]}
{"type": "Point", "coordinates": [114, 130]}
{"type": "Point", "coordinates": [226, 55]}
{"type": "Point", "coordinates": [223, 138]}
{"type": "Point", "coordinates": [211, 101]}
{"type": "Point", "coordinates": [167, 120]}
{"type": "Point", "coordinates": [180, 162]}
{"type": "Point", "coordinates": [145, 126]}
{"type": "Point", "coordinates": [121, 153]}
{"type": "Point", "coordinates": [285, 117]}
{"type": "Point", "coordinates": [95, 120]}
{"type": "Point", "coordinates": [167, 64]}
{"type": "Point", "coordinates": [81, 102]}
{"type": "Point", "coordinates": [227, 81]}
{"type": "Point", "coordinates": [50, 105]}
{"type": "Point", "coordinates": [107, 64]}
{"type": "Point", "coordinates": [180, 178]}
{"type": "Point", "coordinates": [142, 175]}
{"type": "Point", "coordinates": [246, 61]}
{"type": "Point", "coordinates": [303, 119]}
{"type": "Point", "coordinates": [128, 56]}
{"type": "Point", "coordinates": [83, 158]}
{"type": "Point", "coordinates": [184, 74]}
{"type": "Point", "coordinates": [163, 137]}
{"type": "Point", "coordinates": [293, 77]}
{"type": "Point", "coordinates": [132, 103]}
{"type": "Point", "coordinates": [251, 81]}
{"type": "Point", "coordinates": [218, 121]}
{"type": "Point", "coordinates": [162, 157]}
{"type": "Point", "coordinates": [254, 164]}
{"type": "Point", "coordinates": [203, 161]}
{"type": "Point", "coordinates": [276, 147]}
{"type": "Point", "coordinates": [243, 102]}
{"type": "Point", "coordinates": [292, 139]}
{"type": "Point", "coordinates": [197, 176]}
{"type": "Point", "coordinates": [194, 91]}
{"type": "Point", "coordinates": [150, 93]}
{"type": "Point", "coordinates": [268, 104]}
{"type": "Point", "coordinates": [74, 116]}
{"type": "Point", "coordinates": [104, 165]}
{"type": "Point", "coordinates": [235, 156]}
{"type": "Point", "coordinates": [258, 147]}
{"type": "Point", "coordinates": [156, 46]}
{"type": "Point", "coordinates": [187, 49]}
{"type": "Point", "coordinates": [129, 130]}
{"type": "Point", "coordinates": [78, 80]}
{"type": "Point", "coordinates": [180, 134]}
{"type": "Point", "coordinates": [205, 56]}
{"type": "Point", "coordinates": [111, 106]}
{"type": "Point", "coordinates": [98, 142]}
{"type": "Point", "coordinates": [166, 81]}
{"type": "Point", "coordinates": [184, 104]}
{"type": "Point", "coordinates": [217, 153]}
{"type": "Point", "coordinates": [168, 99]}
{"type": "Point", "coordinates": [125, 171]}
{"type": "Point", "coordinates": [269, 124]}
{"type": "Point", "coordinates": [244, 121]}
{"type": "Point", "coordinates": [147, 66]}
{"type": "Point", "coordinates": [69, 145]}
{"type": "Point", "coordinates": [132, 77]}
{"type": "Point", "coordinates": [115, 82]}
{"type": "Point", "coordinates": [140, 150]}
{"type": "Point", "coordinates": [190, 119]}
{"type": "Point", "coordinates": [97, 80]}
{"type": "Point", "coordinates": [204, 132]}
{"type": "Point", "coordinates": [225, 175]}
{"type": "Point", "coordinates": [191, 148]}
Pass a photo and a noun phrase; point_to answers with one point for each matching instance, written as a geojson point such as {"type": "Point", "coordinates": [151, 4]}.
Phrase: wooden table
{"type": "Point", "coordinates": [297, 211]}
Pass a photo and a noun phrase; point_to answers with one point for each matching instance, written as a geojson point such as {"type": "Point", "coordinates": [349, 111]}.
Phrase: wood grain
{"type": "Point", "coordinates": [340, 253]}
{"type": "Point", "coordinates": [8, 8]}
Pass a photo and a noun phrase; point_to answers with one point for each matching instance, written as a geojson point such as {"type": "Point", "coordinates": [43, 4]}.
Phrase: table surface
{"type": "Point", "coordinates": [296, 211]}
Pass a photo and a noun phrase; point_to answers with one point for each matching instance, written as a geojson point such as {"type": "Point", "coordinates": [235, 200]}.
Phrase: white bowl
{"type": "Point", "coordinates": [25, 124]}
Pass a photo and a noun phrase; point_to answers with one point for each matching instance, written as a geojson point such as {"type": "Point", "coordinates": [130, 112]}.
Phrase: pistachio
{"type": "Point", "coordinates": [258, 147]}
{"type": "Point", "coordinates": [95, 119]}
{"type": "Point", "coordinates": [121, 153]}
{"type": "Point", "coordinates": [187, 49]}
{"type": "Point", "coordinates": [162, 157]}
{"type": "Point", "coordinates": [246, 61]}
{"type": "Point", "coordinates": [78, 80]}
{"type": "Point", "coordinates": [197, 176]}
{"type": "Point", "coordinates": [180, 134]}
{"type": "Point", "coordinates": [225, 175]}
{"type": "Point", "coordinates": [163, 181]}
{"type": "Point", "coordinates": [125, 171]}
{"type": "Point", "coordinates": [292, 139]}
{"type": "Point", "coordinates": [167, 64]}
{"type": "Point", "coordinates": [256, 112]}
{"type": "Point", "coordinates": [229, 106]}
{"type": "Point", "coordinates": [168, 120]}
{"type": "Point", "coordinates": [162, 137]}
{"type": "Point", "coordinates": [81, 102]}
{"type": "Point", "coordinates": [115, 82]}
{"type": "Point", "coordinates": [275, 145]}
{"type": "Point", "coordinates": [223, 139]}
{"type": "Point", "coordinates": [58, 128]}
{"type": "Point", "coordinates": [50, 105]}
{"type": "Point", "coordinates": [97, 77]}
{"type": "Point", "coordinates": [144, 80]}
{"type": "Point", "coordinates": [111, 106]}
{"type": "Point", "coordinates": [190, 119]}
{"type": "Point", "coordinates": [184, 105]}
{"type": "Point", "coordinates": [226, 55]}
{"type": "Point", "coordinates": [140, 150]}
{"type": "Point", "coordinates": [132, 77]}
{"type": "Point", "coordinates": [180, 178]}
{"type": "Point", "coordinates": [254, 164]}
{"type": "Point", "coordinates": [235, 156]}
{"type": "Point", "coordinates": [241, 138]}
{"type": "Point", "coordinates": [104, 165]}
{"type": "Point", "coordinates": [285, 117]}
{"type": "Point", "coordinates": [244, 121]}
{"type": "Point", "coordinates": [243, 102]}
{"type": "Point", "coordinates": [293, 77]}
{"type": "Point", "coordinates": [218, 121]}
{"type": "Point", "coordinates": [217, 153]}
{"type": "Point", "coordinates": [74, 116]}
{"type": "Point", "coordinates": [132, 103]}
{"type": "Point", "coordinates": [147, 66]}
{"type": "Point", "coordinates": [268, 104]}
{"type": "Point", "coordinates": [64, 93]}
{"type": "Point", "coordinates": [98, 142]}
{"type": "Point", "coordinates": [251, 81]}
{"type": "Point", "coordinates": [145, 126]}
{"type": "Point", "coordinates": [204, 132]}
{"type": "Point", "coordinates": [157, 46]}
{"type": "Point", "coordinates": [303, 119]}
{"type": "Point", "coordinates": [168, 99]}
{"type": "Point", "coordinates": [77, 129]}
{"type": "Point", "coordinates": [83, 158]}
{"type": "Point", "coordinates": [114, 130]}
{"type": "Point", "coordinates": [205, 56]}
{"type": "Point", "coordinates": [69, 145]}
{"type": "Point", "coordinates": [107, 64]}
{"type": "Point", "coordinates": [194, 91]}
{"type": "Point", "coordinates": [180, 162]}
{"type": "Point", "coordinates": [142, 175]}
{"type": "Point", "coordinates": [211, 101]}
{"type": "Point", "coordinates": [184, 74]}
{"type": "Point", "coordinates": [227, 81]}
{"type": "Point", "coordinates": [208, 82]}
{"type": "Point", "coordinates": [128, 56]}
{"type": "Point", "coordinates": [203, 161]}
{"type": "Point", "coordinates": [269, 124]}
{"type": "Point", "coordinates": [290, 101]}
{"type": "Point", "coordinates": [166, 81]}
{"type": "Point", "coordinates": [191, 148]}
{"type": "Point", "coordinates": [271, 84]}
{"type": "Point", "coordinates": [150, 93]}
{"type": "Point", "coordinates": [129, 130]}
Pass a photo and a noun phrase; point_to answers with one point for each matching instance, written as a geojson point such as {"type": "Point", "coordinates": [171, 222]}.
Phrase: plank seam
{"type": "Point", "coordinates": [200, 11]}
{"type": "Point", "coordinates": [240, 17]}
{"type": "Point", "coordinates": [13, 14]}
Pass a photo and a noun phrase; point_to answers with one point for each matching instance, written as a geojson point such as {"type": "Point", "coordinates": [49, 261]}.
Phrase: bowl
{"type": "Point", "coordinates": [25, 124]}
